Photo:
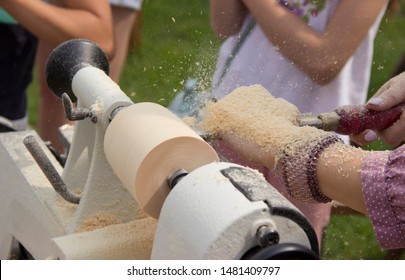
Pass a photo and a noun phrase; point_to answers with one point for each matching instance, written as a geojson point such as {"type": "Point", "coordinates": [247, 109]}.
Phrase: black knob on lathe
{"type": "Point", "coordinates": [67, 59]}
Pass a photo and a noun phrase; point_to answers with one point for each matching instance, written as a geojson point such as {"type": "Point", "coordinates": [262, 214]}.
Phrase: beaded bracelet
{"type": "Point", "coordinates": [297, 165]}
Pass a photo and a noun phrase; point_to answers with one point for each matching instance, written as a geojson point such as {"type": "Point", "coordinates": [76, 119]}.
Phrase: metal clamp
{"type": "Point", "coordinates": [75, 114]}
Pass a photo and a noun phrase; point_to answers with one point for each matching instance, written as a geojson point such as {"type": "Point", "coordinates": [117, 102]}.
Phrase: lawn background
{"type": "Point", "coordinates": [177, 43]}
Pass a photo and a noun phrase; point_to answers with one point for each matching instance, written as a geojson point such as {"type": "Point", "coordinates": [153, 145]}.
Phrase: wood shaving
{"type": "Point", "coordinates": [252, 113]}
{"type": "Point", "coordinates": [97, 221]}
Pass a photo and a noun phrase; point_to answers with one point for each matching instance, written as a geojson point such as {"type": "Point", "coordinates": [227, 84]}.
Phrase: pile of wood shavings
{"type": "Point", "coordinates": [126, 241]}
{"type": "Point", "coordinates": [254, 114]}
{"type": "Point", "coordinates": [97, 221]}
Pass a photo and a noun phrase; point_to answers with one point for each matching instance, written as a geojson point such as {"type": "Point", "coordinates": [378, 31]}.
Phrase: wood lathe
{"type": "Point", "coordinates": [156, 189]}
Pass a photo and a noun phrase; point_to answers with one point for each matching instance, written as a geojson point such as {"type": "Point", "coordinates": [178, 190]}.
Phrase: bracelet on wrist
{"type": "Point", "coordinates": [297, 166]}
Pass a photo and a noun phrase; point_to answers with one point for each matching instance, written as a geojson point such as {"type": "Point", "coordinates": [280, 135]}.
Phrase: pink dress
{"type": "Point", "coordinates": [383, 180]}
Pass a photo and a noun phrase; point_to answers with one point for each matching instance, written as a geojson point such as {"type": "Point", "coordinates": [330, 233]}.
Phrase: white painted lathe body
{"type": "Point", "coordinates": [215, 213]}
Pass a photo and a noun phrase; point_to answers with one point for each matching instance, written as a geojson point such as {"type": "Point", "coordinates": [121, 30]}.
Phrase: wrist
{"type": "Point", "coordinates": [297, 166]}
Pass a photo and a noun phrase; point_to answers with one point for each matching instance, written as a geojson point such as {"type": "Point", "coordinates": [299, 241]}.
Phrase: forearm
{"type": "Point", "coordinates": [338, 168]}
{"type": "Point", "coordinates": [320, 55]}
{"type": "Point", "coordinates": [339, 175]}
{"type": "Point", "coordinates": [55, 24]}
{"type": "Point", "coordinates": [227, 17]}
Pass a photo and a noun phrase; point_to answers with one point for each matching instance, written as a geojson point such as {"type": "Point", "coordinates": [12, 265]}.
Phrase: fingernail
{"type": "Point", "coordinates": [370, 136]}
{"type": "Point", "coordinates": [376, 101]}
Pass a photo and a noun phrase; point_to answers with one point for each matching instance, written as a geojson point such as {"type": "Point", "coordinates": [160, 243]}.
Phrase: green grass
{"type": "Point", "coordinates": [350, 237]}
{"type": "Point", "coordinates": [177, 43]}
{"type": "Point", "coordinates": [389, 49]}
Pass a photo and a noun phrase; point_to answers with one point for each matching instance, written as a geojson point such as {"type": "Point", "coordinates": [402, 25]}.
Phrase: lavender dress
{"type": "Point", "coordinates": [383, 180]}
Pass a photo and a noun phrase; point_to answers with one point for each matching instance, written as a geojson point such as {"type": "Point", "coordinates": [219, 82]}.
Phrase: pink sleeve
{"type": "Point", "coordinates": [383, 180]}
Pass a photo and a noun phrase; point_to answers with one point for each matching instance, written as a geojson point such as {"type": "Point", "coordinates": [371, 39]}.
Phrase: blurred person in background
{"type": "Point", "coordinates": [126, 19]}
{"type": "Point", "coordinates": [23, 23]}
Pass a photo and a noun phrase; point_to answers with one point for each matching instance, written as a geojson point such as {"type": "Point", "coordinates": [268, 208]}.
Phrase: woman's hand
{"type": "Point", "coordinates": [389, 95]}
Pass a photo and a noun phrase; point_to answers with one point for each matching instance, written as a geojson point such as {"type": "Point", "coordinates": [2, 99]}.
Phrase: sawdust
{"type": "Point", "coordinates": [254, 114]}
{"type": "Point", "coordinates": [97, 221]}
{"type": "Point", "coordinates": [125, 241]}
{"type": "Point", "coordinates": [104, 236]}
{"type": "Point", "coordinates": [140, 214]}
{"type": "Point", "coordinates": [190, 121]}
{"type": "Point", "coordinates": [143, 232]}
{"type": "Point", "coordinates": [98, 106]}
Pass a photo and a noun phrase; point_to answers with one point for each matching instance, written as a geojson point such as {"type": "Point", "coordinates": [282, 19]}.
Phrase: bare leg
{"type": "Point", "coordinates": [51, 115]}
{"type": "Point", "coordinates": [136, 34]}
{"type": "Point", "coordinates": [124, 19]}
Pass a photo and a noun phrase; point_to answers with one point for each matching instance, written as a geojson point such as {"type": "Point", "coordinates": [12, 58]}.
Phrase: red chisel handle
{"type": "Point", "coordinates": [357, 118]}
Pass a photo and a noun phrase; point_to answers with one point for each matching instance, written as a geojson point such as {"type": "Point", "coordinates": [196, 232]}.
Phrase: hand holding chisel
{"type": "Point", "coordinates": [353, 119]}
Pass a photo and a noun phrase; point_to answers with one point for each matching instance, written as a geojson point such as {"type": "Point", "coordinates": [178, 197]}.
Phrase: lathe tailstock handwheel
{"type": "Point", "coordinates": [67, 59]}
